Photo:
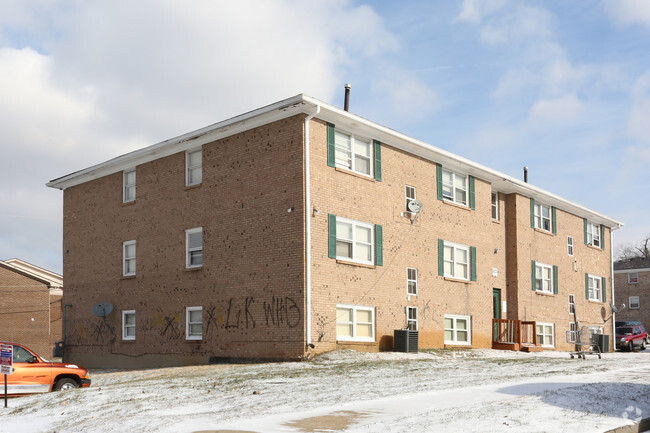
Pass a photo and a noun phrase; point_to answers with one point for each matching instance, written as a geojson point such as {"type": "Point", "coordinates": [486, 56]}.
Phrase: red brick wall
{"type": "Point", "coordinates": [624, 290]}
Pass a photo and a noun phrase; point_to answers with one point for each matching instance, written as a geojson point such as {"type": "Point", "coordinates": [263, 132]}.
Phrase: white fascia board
{"type": "Point", "coordinates": [627, 271]}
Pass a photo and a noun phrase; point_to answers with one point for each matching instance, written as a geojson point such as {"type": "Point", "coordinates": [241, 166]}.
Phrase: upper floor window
{"type": "Point", "coordinates": [495, 206]}
{"type": "Point", "coordinates": [412, 318]}
{"type": "Point", "coordinates": [593, 234]}
{"type": "Point", "coordinates": [194, 323]}
{"type": "Point", "coordinates": [632, 277]}
{"type": "Point", "coordinates": [128, 186]}
{"type": "Point", "coordinates": [128, 325]}
{"type": "Point", "coordinates": [411, 281]}
{"type": "Point", "coordinates": [456, 260]}
{"type": "Point", "coordinates": [353, 153]}
{"type": "Point", "coordinates": [194, 247]}
{"type": "Point", "coordinates": [569, 245]}
{"type": "Point", "coordinates": [355, 241]}
{"type": "Point", "coordinates": [595, 288]}
{"type": "Point", "coordinates": [572, 304]}
{"type": "Point", "coordinates": [542, 217]}
{"type": "Point", "coordinates": [634, 303]}
{"type": "Point", "coordinates": [544, 278]}
{"type": "Point", "coordinates": [454, 187]}
{"type": "Point", "coordinates": [193, 167]}
{"type": "Point", "coordinates": [355, 323]}
{"type": "Point", "coordinates": [411, 195]}
{"type": "Point", "coordinates": [128, 257]}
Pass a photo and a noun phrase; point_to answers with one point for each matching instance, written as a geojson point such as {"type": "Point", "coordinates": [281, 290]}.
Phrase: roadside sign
{"type": "Point", "coordinates": [6, 358]}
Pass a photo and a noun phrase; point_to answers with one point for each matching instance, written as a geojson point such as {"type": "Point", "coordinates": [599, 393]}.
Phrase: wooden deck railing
{"type": "Point", "coordinates": [513, 334]}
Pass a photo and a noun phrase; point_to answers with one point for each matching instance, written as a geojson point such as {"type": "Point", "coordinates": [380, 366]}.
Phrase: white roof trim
{"type": "Point", "coordinates": [305, 104]}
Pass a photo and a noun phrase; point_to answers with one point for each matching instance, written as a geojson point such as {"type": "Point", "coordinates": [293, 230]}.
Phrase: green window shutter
{"type": "Point", "coordinates": [331, 155]}
{"type": "Point", "coordinates": [585, 229]}
{"type": "Point", "coordinates": [441, 257]}
{"type": "Point", "coordinates": [379, 245]}
{"type": "Point", "coordinates": [439, 180]}
{"type": "Point", "coordinates": [472, 256]}
{"type": "Point", "coordinates": [472, 196]}
{"type": "Point", "coordinates": [533, 266]}
{"type": "Point", "coordinates": [554, 221]}
{"type": "Point", "coordinates": [555, 280]}
{"type": "Point", "coordinates": [532, 213]}
{"type": "Point", "coordinates": [604, 289]}
{"type": "Point", "coordinates": [602, 237]}
{"type": "Point", "coordinates": [331, 230]}
{"type": "Point", "coordinates": [586, 286]}
{"type": "Point", "coordinates": [377, 161]}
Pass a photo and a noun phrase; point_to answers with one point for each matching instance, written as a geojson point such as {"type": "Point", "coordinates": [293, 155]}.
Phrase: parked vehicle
{"type": "Point", "coordinates": [632, 323]}
{"type": "Point", "coordinates": [631, 337]}
{"type": "Point", "coordinates": [33, 374]}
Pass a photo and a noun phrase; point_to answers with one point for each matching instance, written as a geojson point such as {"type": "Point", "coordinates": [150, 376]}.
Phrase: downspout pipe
{"type": "Point", "coordinates": [308, 216]}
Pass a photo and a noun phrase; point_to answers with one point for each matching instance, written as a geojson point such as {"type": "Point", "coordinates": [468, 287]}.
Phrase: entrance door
{"type": "Point", "coordinates": [496, 310]}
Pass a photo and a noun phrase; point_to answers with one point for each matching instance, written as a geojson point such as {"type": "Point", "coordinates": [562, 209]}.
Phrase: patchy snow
{"type": "Point", "coordinates": [347, 391]}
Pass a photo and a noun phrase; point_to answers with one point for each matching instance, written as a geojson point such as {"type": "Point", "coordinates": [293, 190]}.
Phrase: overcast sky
{"type": "Point", "coordinates": [562, 87]}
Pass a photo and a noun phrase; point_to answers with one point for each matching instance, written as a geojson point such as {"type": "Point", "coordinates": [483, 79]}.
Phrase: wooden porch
{"type": "Point", "coordinates": [517, 335]}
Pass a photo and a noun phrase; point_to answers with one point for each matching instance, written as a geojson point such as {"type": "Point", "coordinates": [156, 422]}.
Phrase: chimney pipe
{"type": "Point", "coordinates": [526, 174]}
{"type": "Point", "coordinates": [346, 104]}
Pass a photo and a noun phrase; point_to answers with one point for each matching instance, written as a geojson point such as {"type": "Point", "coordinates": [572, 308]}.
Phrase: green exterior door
{"type": "Point", "coordinates": [496, 310]}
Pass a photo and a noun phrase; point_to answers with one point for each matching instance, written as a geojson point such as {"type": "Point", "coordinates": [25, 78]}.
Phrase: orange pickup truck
{"type": "Point", "coordinates": [32, 374]}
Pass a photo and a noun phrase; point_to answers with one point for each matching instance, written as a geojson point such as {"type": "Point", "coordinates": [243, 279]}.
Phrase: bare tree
{"type": "Point", "coordinates": [631, 251]}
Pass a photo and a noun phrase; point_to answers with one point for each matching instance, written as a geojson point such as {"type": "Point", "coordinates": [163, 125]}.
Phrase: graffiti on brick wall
{"type": "Point", "coordinates": [249, 313]}
{"type": "Point", "coordinates": [95, 330]}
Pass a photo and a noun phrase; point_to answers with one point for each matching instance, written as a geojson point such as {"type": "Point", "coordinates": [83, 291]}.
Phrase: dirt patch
{"type": "Point", "coordinates": [337, 421]}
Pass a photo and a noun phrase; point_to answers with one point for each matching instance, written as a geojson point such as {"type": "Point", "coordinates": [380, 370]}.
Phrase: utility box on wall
{"type": "Point", "coordinates": [405, 340]}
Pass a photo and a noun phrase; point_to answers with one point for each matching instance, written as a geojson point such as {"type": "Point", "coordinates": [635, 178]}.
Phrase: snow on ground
{"type": "Point", "coordinates": [347, 391]}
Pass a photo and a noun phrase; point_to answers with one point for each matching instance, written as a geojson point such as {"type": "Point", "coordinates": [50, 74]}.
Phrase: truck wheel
{"type": "Point", "coordinates": [65, 384]}
{"type": "Point", "coordinates": [643, 346]}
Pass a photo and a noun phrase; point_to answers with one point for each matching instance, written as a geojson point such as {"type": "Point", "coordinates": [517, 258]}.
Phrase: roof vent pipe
{"type": "Point", "coordinates": [526, 174]}
{"type": "Point", "coordinates": [346, 104]}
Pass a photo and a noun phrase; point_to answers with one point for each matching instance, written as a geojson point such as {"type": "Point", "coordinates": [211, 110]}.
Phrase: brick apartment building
{"type": "Point", "coordinates": [286, 231]}
{"type": "Point", "coordinates": [632, 282]}
{"type": "Point", "coordinates": [30, 306]}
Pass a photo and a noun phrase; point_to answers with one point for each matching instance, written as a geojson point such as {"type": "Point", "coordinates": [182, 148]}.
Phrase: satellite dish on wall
{"type": "Point", "coordinates": [415, 206]}
{"type": "Point", "coordinates": [102, 309]}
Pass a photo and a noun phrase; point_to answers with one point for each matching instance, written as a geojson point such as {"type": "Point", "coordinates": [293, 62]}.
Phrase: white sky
{"type": "Point", "coordinates": [560, 87]}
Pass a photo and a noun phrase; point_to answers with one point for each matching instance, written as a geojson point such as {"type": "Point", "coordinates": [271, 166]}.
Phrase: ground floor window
{"type": "Point", "coordinates": [412, 318]}
{"type": "Point", "coordinates": [457, 329]}
{"type": "Point", "coordinates": [571, 336]}
{"type": "Point", "coordinates": [128, 325]}
{"type": "Point", "coordinates": [194, 323]}
{"type": "Point", "coordinates": [355, 323]}
{"type": "Point", "coordinates": [546, 334]}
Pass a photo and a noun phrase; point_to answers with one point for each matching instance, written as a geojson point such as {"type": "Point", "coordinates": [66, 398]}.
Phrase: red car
{"type": "Point", "coordinates": [33, 374]}
{"type": "Point", "coordinates": [631, 337]}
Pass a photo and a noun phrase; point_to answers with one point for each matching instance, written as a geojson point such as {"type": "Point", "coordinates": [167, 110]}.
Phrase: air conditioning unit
{"type": "Point", "coordinates": [405, 340]}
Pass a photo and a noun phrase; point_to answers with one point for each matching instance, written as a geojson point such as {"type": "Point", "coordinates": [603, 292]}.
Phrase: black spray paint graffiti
{"type": "Point", "coordinates": [278, 312]}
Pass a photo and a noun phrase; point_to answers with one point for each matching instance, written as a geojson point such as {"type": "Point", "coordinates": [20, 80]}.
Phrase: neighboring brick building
{"type": "Point", "coordinates": [632, 282]}
{"type": "Point", "coordinates": [285, 231]}
{"type": "Point", "coordinates": [30, 306]}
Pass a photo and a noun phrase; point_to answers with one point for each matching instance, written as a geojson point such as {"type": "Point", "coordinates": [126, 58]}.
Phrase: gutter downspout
{"type": "Point", "coordinates": [611, 248]}
{"type": "Point", "coordinates": [308, 217]}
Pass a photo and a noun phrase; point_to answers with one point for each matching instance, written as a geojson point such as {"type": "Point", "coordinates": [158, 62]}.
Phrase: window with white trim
{"type": "Point", "coordinates": [595, 288]}
{"type": "Point", "coordinates": [194, 323]}
{"type": "Point", "coordinates": [495, 206]}
{"type": "Point", "coordinates": [546, 334]}
{"type": "Point", "coordinates": [569, 245]}
{"type": "Point", "coordinates": [634, 303]}
{"type": "Point", "coordinates": [454, 187]}
{"type": "Point", "coordinates": [412, 318]}
{"type": "Point", "coordinates": [411, 195]}
{"type": "Point", "coordinates": [543, 278]}
{"type": "Point", "coordinates": [353, 153]}
{"type": "Point", "coordinates": [194, 247]}
{"type": "Point", "coordinates": [542, 217]}
{"type": "Point", "coordinates": [411, 281]}
{"type": "Point", "coordinates": [456, 260]}
{"type": "Point", "coordinates": [458, 329]}
{"type": "Point", "coordinates": [128, 186]}
{"type": "Point", "coordinates": [128, 258]}
{"type": "Point", "coordinates": [593, 234]}
{"type": "Point", "coordinates": [128, 325]}
{"type": "Point", "coordinates": [572, 304]}
{"type": "Point", "coordinates": [633, 278]}
{"type": "Point", "coordinates": [193, 167]}
{"type": "Point", "coordinates": [355, 323]}
{"type": "Point", "coordinates": [572, 332]}
{"type": "Point", "coordinates": [355, 241]}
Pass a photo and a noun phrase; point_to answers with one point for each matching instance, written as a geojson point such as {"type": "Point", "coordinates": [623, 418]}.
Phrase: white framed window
{"type": "Point", "coordinates": [412, 318]}
{"type": "Point", "coordinates": [543, 217]}
{"type": "Point", "coordinates": [355, 241]}
{"type": "Point", "coordinates": [411, 281]}
{"type": "Point", "coordinates": [546, 334]}
{"type": "Point", "coordinates": [193, 167]}
{"type": "Point", "coordinates": [456, 260]}
{"type": "Point", "coordinates": [353, 153]}
{"type": "Point", "coordinates": [128, 325]}
{"type": "Point", "coordinates": [454, 187]}
{"type": "Point", "coordinates": [543, 278]}
{"type": "Point", "coordinates": [458, 329]}
{"type": "Point", "coordinates": [411, 194]}
{"type": "Point", "coordinates": [633, 278]}
{"type": "Point", "coordinates": [572, 332]}
{"type": "Point", "coordinates": [194, 323]}
{"type": "Point", "coordinates": [634, 303]}
{"type": "Point", "coordinates": [595, 288]}
{"type": "Point", "coordinates": [194, 247]}
{"type": "Point", "coordinates": [495, 206]}
{"type": "Point", "coordinates": [572, 304]}
{"type": "Point", "coordinates": [128, 186]}
{"type": "Point", "coordinates": [128, 258]}
{"type": "Point", "coordinates": [569, 245]}
{"type": "Point", "coordinates": [355, 323]}
{"type": "Point", "coordinates": [593, 234]}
